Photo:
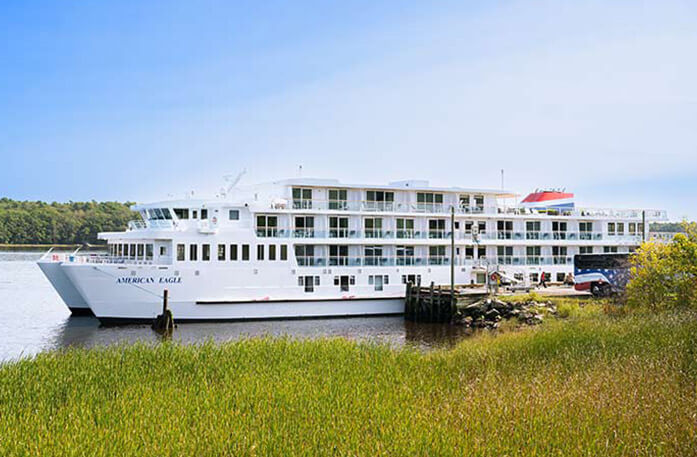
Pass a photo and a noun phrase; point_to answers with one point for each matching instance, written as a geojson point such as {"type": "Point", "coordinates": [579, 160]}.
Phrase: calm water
{"type": "Point", "coordinates": [33, 319]}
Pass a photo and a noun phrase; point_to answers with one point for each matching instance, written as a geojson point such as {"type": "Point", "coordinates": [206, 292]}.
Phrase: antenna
{"type": "Point", "coordinates": [300, 171]}
{"type": "Point", "coordinates": [502, 181]}
{"type": "Point", "coordinates": [232, 182]}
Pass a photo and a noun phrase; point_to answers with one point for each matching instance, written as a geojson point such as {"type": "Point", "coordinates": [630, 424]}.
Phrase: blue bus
{"type": "Point", "coordinates": [601, 274]}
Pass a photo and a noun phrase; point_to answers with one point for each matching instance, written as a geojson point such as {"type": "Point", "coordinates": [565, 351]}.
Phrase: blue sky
{"type": "Point", "coordinates": [135, 100]}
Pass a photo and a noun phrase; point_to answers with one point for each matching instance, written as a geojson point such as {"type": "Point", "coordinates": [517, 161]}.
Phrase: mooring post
{"type": "Point", "coordinates": [165, 297]}
{"type": "Point", "coordinates": [417, 300]}
{"type": "Point", "coordinates": [164, 323]}
{"type": "Point", "coordinates": [452, 260]}
{"type": "Point", "coordinates": [431, 301]}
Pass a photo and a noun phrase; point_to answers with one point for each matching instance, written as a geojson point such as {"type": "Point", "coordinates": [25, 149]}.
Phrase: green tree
{"type": "Point", "coordinates": [26, 222]}
{"type": "Point", "coordinates": [664, 276]}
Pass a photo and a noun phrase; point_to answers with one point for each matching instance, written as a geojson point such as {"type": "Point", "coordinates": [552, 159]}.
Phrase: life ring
{"type": "Point", "coordinates": [214, 220]}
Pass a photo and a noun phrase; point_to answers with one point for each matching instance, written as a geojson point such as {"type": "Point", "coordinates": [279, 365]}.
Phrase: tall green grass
{"type": "Point", "coordinates": [589, 385]}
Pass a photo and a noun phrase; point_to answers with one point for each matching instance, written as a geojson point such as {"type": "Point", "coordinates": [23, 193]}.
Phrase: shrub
{"type": "Point", "coordinates": [663, 276]}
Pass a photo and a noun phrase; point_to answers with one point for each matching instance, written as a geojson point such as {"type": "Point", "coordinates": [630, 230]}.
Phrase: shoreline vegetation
{"type": "Point", "coordinates": [596, 380]}
{"type": "Point", "coordinates": [27, 223]}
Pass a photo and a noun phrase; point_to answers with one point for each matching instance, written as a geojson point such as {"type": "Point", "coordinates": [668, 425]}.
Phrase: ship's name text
{"type": "Point", "coordinates": [149, 280]}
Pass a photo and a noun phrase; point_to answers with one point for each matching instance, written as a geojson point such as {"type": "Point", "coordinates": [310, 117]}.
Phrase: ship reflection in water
{"type": "Point", "coordinates": [393, 331]}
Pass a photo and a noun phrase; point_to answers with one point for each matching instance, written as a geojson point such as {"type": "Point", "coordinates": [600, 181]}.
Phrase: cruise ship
{"type": "Point", "coordinates": [302, 248]}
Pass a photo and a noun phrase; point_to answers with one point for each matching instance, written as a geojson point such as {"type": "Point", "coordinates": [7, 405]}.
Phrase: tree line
{"type": "Point", "coordinates": [29, 222]}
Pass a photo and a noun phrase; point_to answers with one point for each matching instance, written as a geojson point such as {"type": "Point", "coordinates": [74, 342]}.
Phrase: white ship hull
{"type": "Point", "coordinates": [116, 295]}
{"type": "Point", "coordinates": [64, 287]}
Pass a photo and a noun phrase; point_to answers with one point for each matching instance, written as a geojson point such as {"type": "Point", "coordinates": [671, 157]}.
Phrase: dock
{"type": "Point", "coordinates": [438, 303]}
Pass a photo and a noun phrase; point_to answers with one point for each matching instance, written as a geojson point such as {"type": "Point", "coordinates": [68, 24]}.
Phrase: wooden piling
{"type": "Point", "coordinates": [164, 323]}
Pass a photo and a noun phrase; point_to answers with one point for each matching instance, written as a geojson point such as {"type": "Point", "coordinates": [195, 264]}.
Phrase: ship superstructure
{"type": "Point", "coordinates": [310, 247]}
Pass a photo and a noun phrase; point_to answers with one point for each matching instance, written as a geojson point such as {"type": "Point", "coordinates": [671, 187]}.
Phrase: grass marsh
{"type": "Point", "coordinates": [591, 384]}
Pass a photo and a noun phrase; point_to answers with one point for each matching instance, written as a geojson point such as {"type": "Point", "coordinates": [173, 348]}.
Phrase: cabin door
{"type": "Point", "coordinates": [344, 283]}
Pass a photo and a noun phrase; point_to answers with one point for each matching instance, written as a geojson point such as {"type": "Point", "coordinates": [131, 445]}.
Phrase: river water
{"type": "Point", "coordinates": [33, 318]}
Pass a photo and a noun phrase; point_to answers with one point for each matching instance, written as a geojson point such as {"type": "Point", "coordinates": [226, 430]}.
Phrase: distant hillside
{"type": "Point", "coordinates": [666, 227]}
{"type": "Point", "coordinates": [25, 222]}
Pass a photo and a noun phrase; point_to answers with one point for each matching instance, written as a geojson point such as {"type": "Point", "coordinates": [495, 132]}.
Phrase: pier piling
{"type": "Point", "coordinates": [164, 323]}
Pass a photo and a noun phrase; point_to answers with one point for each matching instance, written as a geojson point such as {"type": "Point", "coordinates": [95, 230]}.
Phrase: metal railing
{"type": "Point", "coordinates": [444, 208]}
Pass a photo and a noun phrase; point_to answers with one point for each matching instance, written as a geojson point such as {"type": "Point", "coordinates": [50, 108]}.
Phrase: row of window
{"type": "Point", "coordinates": [302, 198]}
{"type": "Point", "coordinates": [232, 252]}
{"type": "Point", "coordinates": [135, 251]}
{"type": "Point", "coordinates": [267, 225]}
{"type": "Point", "coordinates": [187, 213]}
{"type": "Point", "coordinates": [344, 282]}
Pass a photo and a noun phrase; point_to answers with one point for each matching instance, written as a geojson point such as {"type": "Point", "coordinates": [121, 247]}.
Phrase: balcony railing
{"type": "Point", "coordinates": [444, 234]}
{"type": "Point", "coordinates": [532, 260]}
{"type": "Point", "coordinates": [444, 208]}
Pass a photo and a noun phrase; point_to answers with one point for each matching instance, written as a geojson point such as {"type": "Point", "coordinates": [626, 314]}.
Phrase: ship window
{"type": "Point", "coordinates": [163, 250]}
{"type": "Point", "coordinates": [376, 281]}
{"type": "Point", "coordinates": [436, 228]}
{"type": "Point", "coordinates": [140, 251]}
{"type": "Point", "coordinates": [304, 226]}
{"type": "Point", "coordinates": [245, 252]}
{"type": "Point", "coordinates": [620, 228]}
{"type": "Point", "coordinates": [610, 249]}
{"type": "Point", "coordinates": [632, 228]}
{"type": "Point", "coordinates": [233, 252]}
{"type": "Point", "coordinates": [302, 198]}
{"type": "Point", "coordinates": [284, 252]}
{"type": "Point", "coordinates": [379, 200]}
{"type": "Point", "coordinates": [585, 250]}
{"type": "Point", "coordinates": [193, 252]}
{"type": "Point", "coordinates": [181, 213]}
{"type": "Point", "coordinates": [204, 214]}
{"type": "Point", "coordinates": [272, 252]}
{"type": "Point", "coordinates": [464, 201]}
{"type": "Point", "coordinates": [610, 228]}
{"type": "Point", "coordinates": [260, 252]}
{"type": "Point", "coordinates": [561, 276]}
{"type": "Point", "coordinates": [267, 225]}
{"type": "Point", "coordinates": [234, 214]}
{"type": "Point", "coordinates": [148, 251]}
{"type": "Point", "coordinates": [373, 227]}
{"type": "Point", "coordinates": [194, 214]}
{"type": "Point", "coordinates": [337, 199]}
{"type": "Point", "coordinates": [180, 252]}
{"type": "Point", "coordinates": [305, 255]}
{"type": "Point", "coordinates": [309, 283]}
{"type": "Point", "coordinates": [119, 250]}
{"type": "Point", "coordinates": [166, 213]}
{"type": "Point", "coordinates": [428, 198]}
{"type": "Point", "coordinates": [479, 201]}
{"type": "Point", "coordinates": [481, 252]}
{"type": "Point", "coordinates": [221, 252]}
{"type": "Point", "coordinates": [405, 228]}
{"type": "Point", "coordinates": [338, 227]}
